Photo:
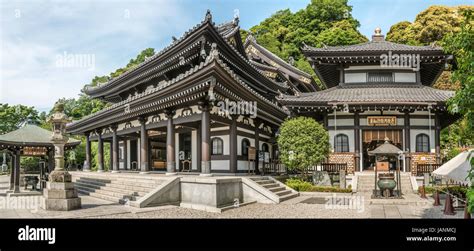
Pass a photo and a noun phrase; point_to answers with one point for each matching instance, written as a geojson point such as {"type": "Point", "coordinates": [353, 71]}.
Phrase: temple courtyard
{"type": "Point", "coordinates": [307, 205]}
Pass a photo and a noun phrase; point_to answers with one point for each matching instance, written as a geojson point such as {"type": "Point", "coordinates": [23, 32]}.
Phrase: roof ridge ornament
{"type": "Point", "coordinates": [208, 17]}
{"type": "Point", "coordinates": [214, 53]}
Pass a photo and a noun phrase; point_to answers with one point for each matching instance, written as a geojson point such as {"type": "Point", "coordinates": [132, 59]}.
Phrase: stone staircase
{"type": "Point", "coordinates": [366, 183]}
{"type": "Point", "coordinates": [118, 189]}
{"type": "Point", "coordinates": [275, 187]}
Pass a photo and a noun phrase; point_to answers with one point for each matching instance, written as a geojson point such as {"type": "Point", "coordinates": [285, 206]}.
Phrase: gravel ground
{"type": "Point", "coordinates": [289, 209]}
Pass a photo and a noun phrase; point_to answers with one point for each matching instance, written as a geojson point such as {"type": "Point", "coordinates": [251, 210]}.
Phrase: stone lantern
{"type": "Point", "coordinates": [60, 193]}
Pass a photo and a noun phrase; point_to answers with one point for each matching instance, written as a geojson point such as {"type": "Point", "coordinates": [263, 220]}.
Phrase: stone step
{"type": "Point", "coordinates": [128, 186]}
{"type": "Point", "coordinates": [96, 194]}
{"type": "Point", "coordinates": [282, 193]}
{"type": "Point", "coordinates": [115, 187]}
{"type": "Point", "coordinates": [127, 181]}
{"type": "Point", "coordinates": [107, 191]}
{"type": "Point", "coordinates": [288, 196]}
{"type": "Point", "coordinates": [271, 185]}
{"type": "Point", "coordinates": [258, 178]}
{"type": "Point", "coordinates": [276, 189]}
{"type": "Point", "coordinates": [263, 182]}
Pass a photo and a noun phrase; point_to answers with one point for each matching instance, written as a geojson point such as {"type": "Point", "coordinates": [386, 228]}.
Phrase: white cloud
{"type": "Point", "coordinates": [112, 31]}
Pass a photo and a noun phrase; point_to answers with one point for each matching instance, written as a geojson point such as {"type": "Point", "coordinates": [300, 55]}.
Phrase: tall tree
{"type": "Point", "coordinates": [13, 116]}
{"type": "Point", "coordinates": [321, 22]}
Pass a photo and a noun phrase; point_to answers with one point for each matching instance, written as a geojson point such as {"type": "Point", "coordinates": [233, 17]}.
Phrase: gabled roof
{"type": "Point", "coordinates": [31, 135]}
{"type": "Point", "coordinates": [371, 93]}
{"type": "Point", "coordinates": [254, 50]}
{"type": "Point", "coordinates": [185, 88]}
{"type": "Point", "coordinates": [152, 67]}
{"type": "Point", "coordinates": [329, 60]}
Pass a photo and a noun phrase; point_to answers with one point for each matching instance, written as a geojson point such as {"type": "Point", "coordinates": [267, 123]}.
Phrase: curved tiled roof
{"type": "Point", "coordinates": [372, 93]}
{"type": "Point", "coordinates": [31, 135]}
{"type": "Point", "coordinates": [372, 46]}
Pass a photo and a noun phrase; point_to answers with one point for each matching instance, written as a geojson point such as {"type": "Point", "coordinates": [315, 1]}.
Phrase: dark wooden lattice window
{"type": "Point", "coordinates": [245, 147]}
{"type": "Point", "coordinates": [422, 143]}
{"type": "Point", "coordinates": [379, 77]}
{"type": "Point", "coordinates": [341, 143]}
{"type": "Point", "coordinates": [217, 146]}
{"type": "Point", "coordinates": [265, 147]}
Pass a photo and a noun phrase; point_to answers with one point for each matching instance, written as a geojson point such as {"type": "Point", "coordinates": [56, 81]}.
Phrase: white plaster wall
{"type": "Point", "coordinates": [220, 165]}
{"type": "Point", "coordinates": [422, 122]}
{"type": "Point", "coordinates": [349, 133]}
{"type": "Point", "coordinates": [220, 128]}
{"type": "Point", "coordinates": [244, 165]}
{"type": "Point", "coordinates": [226, 142]}
{"type": "Point", "coordinates": [359, 77]}
{"type": "Point", "coordinates": [340, 122]}
{"type": "Point", "coordinates": [245, 130]}
{"type": "Point", "coordinates": [239, 143]}
{"type": "Point", "coordinates": [415, 132]}
{"type": "Point", "coordinates": [405, 77]}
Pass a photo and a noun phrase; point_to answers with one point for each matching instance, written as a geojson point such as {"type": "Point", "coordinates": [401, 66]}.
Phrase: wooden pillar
{"type": "Point", "coordinates": [407, 141]}
{"type": "Point", "coordinates": [16, 189]}
{"type": "Point", "coordinates": [233, 144]}
{"type": "Point", "coordinates": [144, 167]}
{"type": "Point", "coordinates": [111, 153]}
{"type": "Point", "coordinates": [87, 163]}
{"type": "Point", "coordinates": [115, 149]}
{"type": "Point", "coordinates": [198, 150]}
{"type": "Point", "coordinates": [125, 154]}
{"type": "Point", "coordinates": [100, 152]}
{"type": "Point", "coordinates": [257, 144]}
{"type": "Point", "coordinates": [205, 139]}
{"type": "Point", "coordinates": [437, 138]}
{"type": "Point", "coordinates": [357, 141]}
{"type": "Point", "coordinates": [12, 172]}
{"type": "Point", "coordinates": [170, 143]}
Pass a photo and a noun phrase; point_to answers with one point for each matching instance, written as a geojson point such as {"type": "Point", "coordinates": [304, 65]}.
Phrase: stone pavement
{"type": "Point", "coordinates": [307, 205]}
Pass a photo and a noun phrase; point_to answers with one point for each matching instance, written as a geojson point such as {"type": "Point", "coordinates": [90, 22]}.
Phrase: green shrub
{"type": "Point", "coordinates": [330, 189]}
{"type": "Point", "coordinates": [457, 190]}
{"type": "Point", "coordinates": [304, 186]}
{"type": "Point", "coordinates": [299, 185]}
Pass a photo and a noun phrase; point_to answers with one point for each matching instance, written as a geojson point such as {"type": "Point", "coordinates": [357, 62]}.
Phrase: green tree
{"type": "Point", "coordinates": [461, 45]}
{"type": "Point", "coordinates": [322, 21]}
{"type": "Point", "coordinates": [303, 143]}
{"type": "Point", "coordinates": [430, 25]}
{"type": "Point", "coordinates": [11, 117]}
{"type": "Point", "coordinates": [341, 33]}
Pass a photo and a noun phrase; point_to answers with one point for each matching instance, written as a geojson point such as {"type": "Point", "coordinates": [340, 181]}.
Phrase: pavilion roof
{"type": "Point", "coordinates": [31, 135]}
{"type": "Point", "coordinates": [372, 46]}
{"type": "Point", "coordinates": [370, 93]}
{"type": "Point", "coordinates": [385, 149]}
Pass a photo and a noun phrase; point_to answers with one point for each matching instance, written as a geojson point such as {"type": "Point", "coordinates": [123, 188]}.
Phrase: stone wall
{"type": "Point", "coordinates": [421, 158]}
{"type": "Point", "coordinates": [348, 158]}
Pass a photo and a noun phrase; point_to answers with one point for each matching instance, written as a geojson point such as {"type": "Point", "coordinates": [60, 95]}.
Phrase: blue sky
{"type": "Point", "coordinates": [35, 35]}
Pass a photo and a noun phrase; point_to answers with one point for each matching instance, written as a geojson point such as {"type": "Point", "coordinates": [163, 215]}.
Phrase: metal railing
{"type": "Point", "coordinates": [426, 168]}
{"type": "Point", "coordinates": [333, 167]}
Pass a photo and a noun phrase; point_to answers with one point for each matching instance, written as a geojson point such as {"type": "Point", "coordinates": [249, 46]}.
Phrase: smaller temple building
{"type": "Point", "coordinates": [377, 90]}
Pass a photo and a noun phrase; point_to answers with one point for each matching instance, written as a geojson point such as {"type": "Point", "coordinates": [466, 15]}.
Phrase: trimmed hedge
{"type": "Point", "coordinates": [452, 189]}
{"type": "Point", "coordinates": [304, 186]}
